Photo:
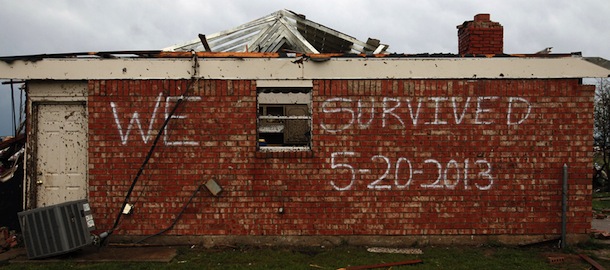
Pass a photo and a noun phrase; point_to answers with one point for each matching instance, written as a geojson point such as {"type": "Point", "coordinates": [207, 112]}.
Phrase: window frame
{"type": "Point", "coordinates": [284, 86]}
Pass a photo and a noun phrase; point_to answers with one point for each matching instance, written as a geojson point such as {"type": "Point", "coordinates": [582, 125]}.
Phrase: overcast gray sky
{"type": "Point", "coordinates": [35, 27]}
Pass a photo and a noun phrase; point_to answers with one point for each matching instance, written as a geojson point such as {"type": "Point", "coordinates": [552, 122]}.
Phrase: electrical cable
{"type": "Point", "coordinates": [186, 204]}
{"type": "Point", "coordinates": [175, 220]}
{"type": "Point", "coordinates": [141, 170]}
{"type": "Point", "coordinates": [151, 150]}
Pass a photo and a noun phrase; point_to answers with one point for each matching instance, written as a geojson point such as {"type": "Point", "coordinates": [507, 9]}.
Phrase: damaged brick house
{"type": "Point", "coordinates": [311, 135]}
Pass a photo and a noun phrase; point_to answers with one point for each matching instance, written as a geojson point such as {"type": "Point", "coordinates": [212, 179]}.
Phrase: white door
{"type": "Point", "coordinates": [61, 149]}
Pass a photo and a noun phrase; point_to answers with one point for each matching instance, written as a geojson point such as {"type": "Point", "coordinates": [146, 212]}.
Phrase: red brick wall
{"type": "Point", "coordinates": [389, 157]}
{"type": "Point", "coordinates": [480, 36]}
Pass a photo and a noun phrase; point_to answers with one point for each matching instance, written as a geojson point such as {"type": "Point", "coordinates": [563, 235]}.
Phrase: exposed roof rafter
{"type": "Point", "coordinates": [282, 29]}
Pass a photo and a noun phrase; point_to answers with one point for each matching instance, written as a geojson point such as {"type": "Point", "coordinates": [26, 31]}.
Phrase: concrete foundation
{"type": "Point", "coordinates": [331, 241]}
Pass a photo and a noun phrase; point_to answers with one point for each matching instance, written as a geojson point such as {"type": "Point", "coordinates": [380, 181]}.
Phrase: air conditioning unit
{"type": "Point", "coordinates": [56, 229]}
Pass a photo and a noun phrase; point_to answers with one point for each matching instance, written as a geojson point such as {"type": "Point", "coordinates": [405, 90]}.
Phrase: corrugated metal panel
{"type": "Point", "coordinates": [282, 30]}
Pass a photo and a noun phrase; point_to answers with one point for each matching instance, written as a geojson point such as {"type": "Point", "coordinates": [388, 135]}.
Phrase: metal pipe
{"type": "Point", "coordinates": [564, 205]}
{"type": "Point", "coordinates": [13, 110]}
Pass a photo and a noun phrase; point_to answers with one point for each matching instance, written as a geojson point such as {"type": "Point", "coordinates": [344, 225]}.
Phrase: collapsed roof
{"type": "Point", "coordinates": [305, 50]}
{"type": "Point", "coordinates": [281, 31]}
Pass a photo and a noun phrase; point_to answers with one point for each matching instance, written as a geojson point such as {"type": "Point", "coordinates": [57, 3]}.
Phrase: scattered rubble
{"type": "Point", "coordinates": [8, 239]}
{"type": "Point", "coordinates": [555, 259]}
{"type": "Point", "coordinates": [598, 234]}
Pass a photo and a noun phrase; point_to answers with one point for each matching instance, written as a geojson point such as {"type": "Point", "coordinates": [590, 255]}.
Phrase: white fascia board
{"type": "Point", "coordinates": [87, 69]}
{"type": "Point", "coordinates": [458, 68]}
{"type": "Point", "coordinates": [284, 83]}
{"type": "Point", "coordinates": [297, 68]}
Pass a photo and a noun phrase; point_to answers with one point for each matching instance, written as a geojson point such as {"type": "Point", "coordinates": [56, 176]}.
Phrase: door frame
{"type": "Point", "coordinates": [47, 92]}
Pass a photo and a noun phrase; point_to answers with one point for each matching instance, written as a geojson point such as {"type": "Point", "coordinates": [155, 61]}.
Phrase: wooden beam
{"type": "Point", "coordinates": [204, 41]}
{"type": "Point", "coordinates": [9, 142]}
{"type": "Point", "coordinates": [593, 263]}
{"type": "Point", "coordinates": [383, 265]}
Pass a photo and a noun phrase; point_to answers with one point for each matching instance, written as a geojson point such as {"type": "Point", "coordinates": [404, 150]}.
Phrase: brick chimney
{"type": "Point", "coordinates": [481, 36]}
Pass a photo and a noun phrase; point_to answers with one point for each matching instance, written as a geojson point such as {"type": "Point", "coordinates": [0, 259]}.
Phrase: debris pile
{"type": "Point", "coordinates": [8, 239]}
{"type": "Point", "coordinates": [599, 234]}
{"type": "Point", "coordinates": [11, 151]}
{"type": "Point", "coordinates": [11, 188]}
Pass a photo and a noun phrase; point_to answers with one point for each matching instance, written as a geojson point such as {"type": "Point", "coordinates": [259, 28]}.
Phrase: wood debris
{"type": "Point", "coordinates": [592, 262]}
{"type": "Point", "coordinates": [382, 265]}
{"type": "Point", "coordinates": [415, 251]}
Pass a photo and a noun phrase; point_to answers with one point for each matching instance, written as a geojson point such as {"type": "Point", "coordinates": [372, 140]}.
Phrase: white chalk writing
{"type": "Point", "coordinates": [458, 120]}
{"type": "Point", "coordinates": [447, 175]}
{"type": "Point", "coordinates": [510, 110]}
{"type": "Point", "coordinates": [135, 119]}
{"type": "Point", "coordinates": [516, 111]}
{"type": "Point", "coordinates": [148, 134]}
{"type": "Point", "coordinates": [168, 109]}
{"type": "Point", "coordinates": [325, 109]}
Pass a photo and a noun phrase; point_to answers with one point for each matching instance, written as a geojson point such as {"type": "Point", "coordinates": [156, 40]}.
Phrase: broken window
{"type": "Point", "coordinates": [284, 118]}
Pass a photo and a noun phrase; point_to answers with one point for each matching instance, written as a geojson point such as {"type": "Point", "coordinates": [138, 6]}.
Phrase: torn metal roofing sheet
{"type": "Point", "coordinates": [281, 31]}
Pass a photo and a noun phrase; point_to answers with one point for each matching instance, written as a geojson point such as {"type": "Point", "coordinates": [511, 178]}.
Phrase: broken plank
{"type": "Point", "coordinates": [383, 265]}
{"type": "Point", "coordinates": [592, 262]}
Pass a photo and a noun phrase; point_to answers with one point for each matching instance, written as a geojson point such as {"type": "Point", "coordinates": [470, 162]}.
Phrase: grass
{"type": "Point", "coordinates": [599, 205]}
{"type": "Point", "coordinates": [601, 201]}
{"type": "Point", "coordinates": [312, 258]}
{"type": "Point", "coordinates": [598, 195]}
{"type": "Point", "coordinates": [491, 256]}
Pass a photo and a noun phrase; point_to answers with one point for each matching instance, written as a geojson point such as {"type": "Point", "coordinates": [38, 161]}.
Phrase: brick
{"type": "Point", "coordinates": [428, 157]}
